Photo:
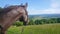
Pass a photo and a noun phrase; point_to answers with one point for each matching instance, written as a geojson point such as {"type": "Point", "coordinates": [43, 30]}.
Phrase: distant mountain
{"type": "Point", "coordinates": [46, 15]}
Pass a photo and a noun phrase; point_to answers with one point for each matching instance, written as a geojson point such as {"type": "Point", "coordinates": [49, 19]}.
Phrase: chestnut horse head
{"type": "Point", "coordinates": [12, 13]}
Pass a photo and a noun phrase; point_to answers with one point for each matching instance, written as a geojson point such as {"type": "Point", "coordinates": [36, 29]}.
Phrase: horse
{"type": "Point", "coordinates": [12, 13]}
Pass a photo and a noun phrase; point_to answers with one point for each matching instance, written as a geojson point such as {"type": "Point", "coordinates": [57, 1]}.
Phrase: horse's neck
{"type": "Point", "coordinates": [11, 16]}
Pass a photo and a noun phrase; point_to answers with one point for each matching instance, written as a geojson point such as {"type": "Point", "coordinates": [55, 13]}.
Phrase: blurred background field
{"type": "Point", "coordinates": [35, 29]}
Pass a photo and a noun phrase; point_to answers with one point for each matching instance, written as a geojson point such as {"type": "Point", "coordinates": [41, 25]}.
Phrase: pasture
{"type": "Point", "coordinates": [35, 29]}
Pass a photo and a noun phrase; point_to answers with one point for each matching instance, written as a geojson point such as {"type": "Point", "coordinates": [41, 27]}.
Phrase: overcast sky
{"type": "Point", "coordinates": [36, 6]}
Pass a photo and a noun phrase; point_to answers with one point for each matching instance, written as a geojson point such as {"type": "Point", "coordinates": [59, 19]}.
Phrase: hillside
{"type": "Point", "coordinates": [46, 15]}
{"type": "Point", "coordinates": [35, 29]}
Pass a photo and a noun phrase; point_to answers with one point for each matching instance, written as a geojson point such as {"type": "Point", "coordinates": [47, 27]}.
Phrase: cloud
{"type": "Point", "coordinates": [55, 4]}
{"type": "Point", "coordinates": [54, 9]}
{"type": "Point", "coordinates": [45, 11]}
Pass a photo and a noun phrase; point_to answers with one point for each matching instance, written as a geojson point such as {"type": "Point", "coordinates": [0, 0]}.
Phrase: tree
{"type": "Point", "coordinates": [58, 20]}
{"type": "Point", "coordinates": [37, 22]}
{"type": "Point", "coordinates": [31, 22]}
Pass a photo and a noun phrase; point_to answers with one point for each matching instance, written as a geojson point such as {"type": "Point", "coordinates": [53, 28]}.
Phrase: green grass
{"type": "Point", "coordinates": [35, 29]}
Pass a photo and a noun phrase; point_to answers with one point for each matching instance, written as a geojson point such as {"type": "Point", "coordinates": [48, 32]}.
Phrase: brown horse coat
{"type": "Point", "coordinates": [10, 14]}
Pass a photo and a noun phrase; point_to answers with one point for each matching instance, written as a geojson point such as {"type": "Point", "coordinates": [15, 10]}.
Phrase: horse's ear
{"type": "Point", "coordinates": [26, 5]}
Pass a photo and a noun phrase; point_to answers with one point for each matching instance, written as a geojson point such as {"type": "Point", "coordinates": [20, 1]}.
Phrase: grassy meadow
{"type": "Point", "coordinates": [35, 29]}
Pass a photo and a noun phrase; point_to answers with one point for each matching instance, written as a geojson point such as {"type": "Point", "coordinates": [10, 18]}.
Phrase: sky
{"type": "Point", "coordinates": [36, 6]}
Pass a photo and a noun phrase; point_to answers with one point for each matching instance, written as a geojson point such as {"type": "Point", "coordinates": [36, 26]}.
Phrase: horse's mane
{"type": "Point", "coordinates": [5, 10]}
{"type": "Point", "coordinates": [9, 8]}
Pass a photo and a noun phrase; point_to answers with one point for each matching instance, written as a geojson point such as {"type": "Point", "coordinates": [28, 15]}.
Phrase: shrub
{"type": "Point", "coordinates": [17, 23]}
{"type": "Point", "coordinates": [31, 22]}
{"type": "Point", "coordinates": [37, 22]}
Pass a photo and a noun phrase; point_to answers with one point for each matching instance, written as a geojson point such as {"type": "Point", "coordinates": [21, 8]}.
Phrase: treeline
{"type": "Point", "coordinates": [39, 21]}
{"type": "Point", "coordinates": [44, 21]}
